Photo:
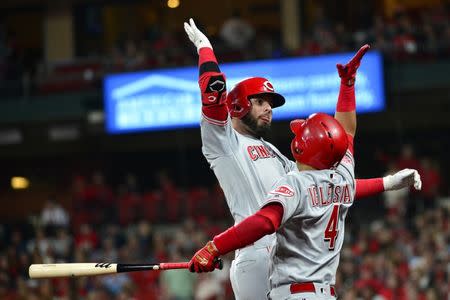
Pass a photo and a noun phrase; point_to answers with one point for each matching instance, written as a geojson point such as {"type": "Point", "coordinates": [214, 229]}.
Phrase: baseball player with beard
{"type": "Point", "coordinates": [246, 165]}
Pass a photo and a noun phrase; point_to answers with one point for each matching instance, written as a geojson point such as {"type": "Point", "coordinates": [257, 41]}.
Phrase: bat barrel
{"type": "Point", "coordinates": [70, 269]}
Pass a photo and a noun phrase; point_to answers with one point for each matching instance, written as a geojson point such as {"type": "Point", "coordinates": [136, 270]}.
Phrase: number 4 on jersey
{"type": "Point", "coordinates": [332, 231]}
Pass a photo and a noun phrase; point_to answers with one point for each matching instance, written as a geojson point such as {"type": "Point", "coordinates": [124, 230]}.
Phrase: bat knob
{"type": "Point", "coordinates": [218, 263]}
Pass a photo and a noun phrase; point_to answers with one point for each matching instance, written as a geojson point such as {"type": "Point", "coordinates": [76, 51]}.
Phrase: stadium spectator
{"type": "Point", "coordinates": [40, 243]}
{"type": "Point", "coordinates": [116, 283]}
{"type": "Point", "coordinates": [86, 238]}
{"type": "Point", "coordinates": [62, 244]}
{"type": "Point", "coordinates": [54, 216]}
{"type": "Point", "coordinates": [395, 201]}
{"type": "Point", "coordinates": [236, 32]}
{"type": "Point", "coordinates": [171, 196]}
{"type": "Point", "coordinates": [408, 159]}
{"type": "Point", "coordinates": [98, 202]}
{"type": "Point", "coordinates": [432, 181]}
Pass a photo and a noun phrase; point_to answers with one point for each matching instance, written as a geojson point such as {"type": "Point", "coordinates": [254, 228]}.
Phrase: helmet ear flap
{"type": "Point", "coordinates": [236, 107]}
{"type": "Point", "coordinates": [296, 125]}
{"type": "Point", "coordinates": [297, 148]}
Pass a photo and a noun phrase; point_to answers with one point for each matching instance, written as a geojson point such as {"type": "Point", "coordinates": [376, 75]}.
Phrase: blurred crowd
{"type": "Point", "coordinates": [396, 258]}
{"type": "Point", "coordinates": [409, 35]}
{"type": "Point", "coordinates": [117, 224]}
{"type": "Point", "coordinates": [397, 245]}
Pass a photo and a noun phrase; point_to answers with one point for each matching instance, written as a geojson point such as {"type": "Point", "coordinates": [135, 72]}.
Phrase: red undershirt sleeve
{"type": "Point", "coordinates": [265, 221]}
{"type": "Point", "coordinates": [368, 187]}
{"type": "Point", "coordinates": [346, 99]}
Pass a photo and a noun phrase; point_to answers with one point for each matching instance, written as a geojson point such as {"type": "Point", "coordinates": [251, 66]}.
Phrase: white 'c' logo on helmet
{"type": "Point", "coordinates": [268, 86]}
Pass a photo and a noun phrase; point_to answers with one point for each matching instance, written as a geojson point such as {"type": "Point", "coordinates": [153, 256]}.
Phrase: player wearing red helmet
{"type": "Point", "coordinates": [320, 141]}
{"type": "Point", "coordinates": [245, 164]}
{"type": "Point", "coordinates": [306, 209]}
{"type": "Point", "coordinates": [238, 99]}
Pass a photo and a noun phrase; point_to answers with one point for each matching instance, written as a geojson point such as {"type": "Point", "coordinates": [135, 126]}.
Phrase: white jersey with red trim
{"type": "Point", "coordinates": [246, 167]}
{"type": "Point", "coordinates": [311, 233]}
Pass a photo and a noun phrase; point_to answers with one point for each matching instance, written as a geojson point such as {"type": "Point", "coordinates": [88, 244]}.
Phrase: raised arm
{"type": "Point", "coordinates": [346, 115]}
{"type": "Point", "coordinates": [211, 80]}
{"type": "Point", "coordinates": [346, 105]}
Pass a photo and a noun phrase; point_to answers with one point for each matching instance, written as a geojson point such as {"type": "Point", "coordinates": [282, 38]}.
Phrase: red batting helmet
{"type": "Point", "coordinates": [238, 99]}
{"type": "Point", "coordinates": [320, 141]}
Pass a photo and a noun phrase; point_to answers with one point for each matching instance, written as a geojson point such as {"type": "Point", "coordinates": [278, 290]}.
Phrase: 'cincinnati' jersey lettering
{"type": "Point", "coordinates": [259, 151]}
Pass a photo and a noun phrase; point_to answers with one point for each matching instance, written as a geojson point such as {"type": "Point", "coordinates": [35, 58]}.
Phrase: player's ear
{"type": "Point", "coordinates": [296, 125]}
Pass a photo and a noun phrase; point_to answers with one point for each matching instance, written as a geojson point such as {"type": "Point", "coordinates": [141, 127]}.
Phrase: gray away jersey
{"type": "Point", "coordinates": [311, 233]}
{"type": "Point", "coordinates": [246, 167]}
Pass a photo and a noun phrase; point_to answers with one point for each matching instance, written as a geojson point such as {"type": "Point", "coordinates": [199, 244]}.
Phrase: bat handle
{"type": "Point", "coordinates": [185, 265]}
{"type": "Point", "coordinates": [172, 266]}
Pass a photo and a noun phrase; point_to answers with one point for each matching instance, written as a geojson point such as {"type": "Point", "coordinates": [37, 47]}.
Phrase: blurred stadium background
{"type": "Point", "coordinates": [72, 192]}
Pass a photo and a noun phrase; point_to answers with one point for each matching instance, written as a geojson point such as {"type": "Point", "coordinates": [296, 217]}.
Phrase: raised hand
{"type": "Point", "coordinates": [402, 179]}
{"type": "Point", "coordinates": [196, 36]}
{"type": "Point", "coordinates": [347, 72]}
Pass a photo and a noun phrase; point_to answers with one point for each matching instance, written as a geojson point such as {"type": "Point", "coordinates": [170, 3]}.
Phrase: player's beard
{"type": "Point", "coordinates": [259, 131]}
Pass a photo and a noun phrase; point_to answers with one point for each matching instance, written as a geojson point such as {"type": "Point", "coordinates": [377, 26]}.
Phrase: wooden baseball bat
{"type": "Point", "coordinates": [91, 269]}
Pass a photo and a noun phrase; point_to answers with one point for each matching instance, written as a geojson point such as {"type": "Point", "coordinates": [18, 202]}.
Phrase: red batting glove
{"type": "Point", "coordinates": [205, 260]}
{"type": "Point", "coordinates": [348, 72]}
